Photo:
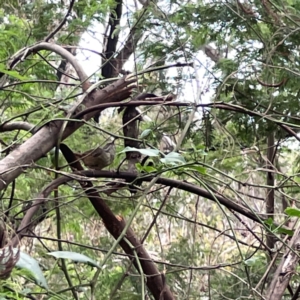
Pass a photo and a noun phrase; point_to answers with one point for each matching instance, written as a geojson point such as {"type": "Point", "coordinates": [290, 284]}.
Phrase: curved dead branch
{"type": "Point", "coordinates": [18, 126]}
{"type": "Point", "coordinates": [22, 54]}
{"type": "Point", "coordinates": [282, 82]}
{"type": "Point", "coordinates": [216, 105]}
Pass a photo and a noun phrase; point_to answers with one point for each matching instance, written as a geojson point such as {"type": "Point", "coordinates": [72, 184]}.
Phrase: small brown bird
{"type": "Point", "coordinates": [98, 158]}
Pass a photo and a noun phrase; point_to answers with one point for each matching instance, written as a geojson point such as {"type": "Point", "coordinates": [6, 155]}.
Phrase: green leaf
{"type": "Point", "coordinates": [284, 231]}
{"type": "Point", "coordinates": [251, 261]}
{"type": "Point", "coordinates": [145, 133]}
{"type": "Point", "coordinates": [173, 158]}
{"type": "Point", "coordinates": [149, 169]}
{"type": "Point", "coordinates": [13, 74]}
{"type": "Point", "coordinates": [292, 212]}
{"type": "Point", "coordinates": [147, 152]}
{"type": "Point", "coordinates": [74, 256]}
{"type": "Point", "coordinates": [29, 264]}
{"type": "Point", "coordinates": [196, 168]}
{"type": "Point", "coordinates": [269, 221]}
{"type": "Point", "coordinates": [277, 229]}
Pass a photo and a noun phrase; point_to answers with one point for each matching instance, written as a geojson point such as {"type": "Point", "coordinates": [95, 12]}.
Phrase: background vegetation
{"type": "Point", "coordinates": [215, 208]}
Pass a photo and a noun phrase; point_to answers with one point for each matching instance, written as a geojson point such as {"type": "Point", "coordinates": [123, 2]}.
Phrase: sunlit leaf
{"type": "Point", "coordinates": [31, 265]}
{"type": "Point", "coordinates": [292, 212]}
{"type": "Point", "coordinates": [173, 158]}
{"type": "Point", "coordinates": [145, 133]}
{"type": "Point", "coordinates": [74, 256]}
{"type": "Point", "coordinates": [147, 152]}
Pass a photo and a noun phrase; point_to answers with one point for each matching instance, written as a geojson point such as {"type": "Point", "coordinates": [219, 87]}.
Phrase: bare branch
{"type": "Point", "coordinates": [18, 126]}
{"type": "Point", "coordinates": [270, 197]}
{"type": "Point", "coordinates": [22, 54]}
{"type": "Point", "coordinates": [286, 268]}
{"type": "Point", "coordinates": [109, 69]}
{"type": "Point", "coordinates": [282, 82]}
{"type": "Point", "coordinates": [64, 20]}
{"type": "Point", "coordinates": [185, 186]}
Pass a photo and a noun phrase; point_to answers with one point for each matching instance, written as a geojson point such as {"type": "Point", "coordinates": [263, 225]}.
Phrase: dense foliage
{"type": "Point", "coordinates": [205, 174]}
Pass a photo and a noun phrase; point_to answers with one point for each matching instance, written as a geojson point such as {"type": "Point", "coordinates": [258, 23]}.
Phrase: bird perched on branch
{"type": "Point", "coordinates": [98, 158]}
